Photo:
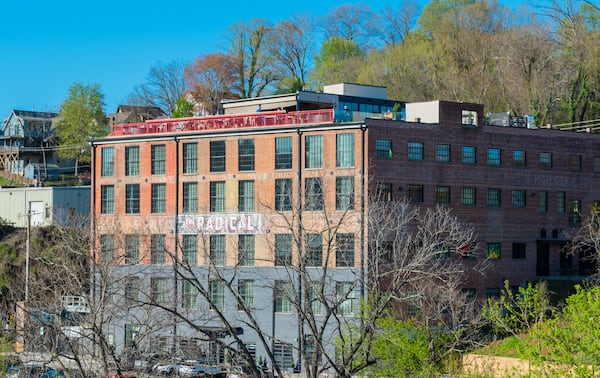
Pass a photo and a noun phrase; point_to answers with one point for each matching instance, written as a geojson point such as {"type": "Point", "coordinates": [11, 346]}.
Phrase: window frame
{"type": "Point", "coordinates": [313, 195]}
{"type": "Point", "coordinates": [132, 160]}
{"type": "Point", "coordinates": [442, 195]}
{"type": "Point", "coordinates": [246, 193]}
{"type": "Point", "coordinates": [442, 153]}
{"type": "Point", "coordinates": [218, 156]}
{"type": "Point", "coordinates": [494, 157]}
{"type": "Point", "coordinates": [344, 199]}
{"type": "Point", "coordinates": [344, 150]}
{"type": "Point", "coordinates": [107, 199]}
{"type": "Point", "coordinates": [217, 196]}
{"type": "Point", "coordinates": [190, 158]}
{"type": "Point", "coordinates": [246, 250]}
{"type": "Point", "coordinates": [246, 151]}
{"type": "Point", "coordinates": [344, 250]}
{"type": "Point", "coordinates": [468, 196]}
{"type": "Point", "coordinates": [283, 194]}
{"type": "Point", "coordinates": [159, 159]}
{"type": "Point", "coordinates": [283, 152]}
{"type": "Point", "coordinates": [469, 155]}
{"type": "Point", "coordinates": [383, 149]}
{"type": "Point", "coordinates": [190, 197]}
{"type": "Point", "coordinates": [415, 151]}
{"type": "Point", "coordinates": [158, 203]}
{"type": "Point", "coordinates": [108, 162]}
{"type": "Point", "coordinates": [132, 198]}
{"type": "Point", "coordinates": [313, 151]}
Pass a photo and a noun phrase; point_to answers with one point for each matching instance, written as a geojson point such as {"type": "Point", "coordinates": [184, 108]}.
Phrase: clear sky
{"type": "Point", "coordinates": [45, 46]}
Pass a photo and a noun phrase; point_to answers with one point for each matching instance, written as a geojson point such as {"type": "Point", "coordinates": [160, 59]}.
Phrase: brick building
{"type": "Point", "coordinates": [218, 192]}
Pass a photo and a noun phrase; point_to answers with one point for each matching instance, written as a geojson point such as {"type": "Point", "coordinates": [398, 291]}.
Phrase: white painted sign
{"type": "Point", "coordinates": [192, 224]}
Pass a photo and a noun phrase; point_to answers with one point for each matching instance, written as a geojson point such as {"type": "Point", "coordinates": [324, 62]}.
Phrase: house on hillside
{"type": "Point", "coordinates": [134, 114]}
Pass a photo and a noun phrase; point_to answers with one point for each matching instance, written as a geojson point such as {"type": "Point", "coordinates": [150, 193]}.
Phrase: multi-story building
{"type": "Point", "coordinates": [228, 196]}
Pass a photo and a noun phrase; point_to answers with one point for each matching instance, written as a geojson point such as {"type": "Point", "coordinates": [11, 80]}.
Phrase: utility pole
{"type": "Point", "coordinates": [27, 255]}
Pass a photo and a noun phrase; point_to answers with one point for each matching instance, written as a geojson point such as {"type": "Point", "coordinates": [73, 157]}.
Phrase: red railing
{"type": "Point", "coordinates": [230, 121]}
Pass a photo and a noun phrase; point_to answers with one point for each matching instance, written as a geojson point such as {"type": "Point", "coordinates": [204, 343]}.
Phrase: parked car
{"type": "Point", "coordinates": [165, 368]}
{"type": "Point", "coordinates": [199, 371]}
{"type": "Point", "coordinates": [34, 371]}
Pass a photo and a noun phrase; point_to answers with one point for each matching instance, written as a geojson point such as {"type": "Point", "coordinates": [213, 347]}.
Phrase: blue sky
{"type": "Point", "coordinates": [45, 46]}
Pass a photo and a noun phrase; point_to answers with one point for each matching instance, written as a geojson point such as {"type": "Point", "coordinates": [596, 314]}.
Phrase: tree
{"type": "Point", "coordinates": [356, 23]}
{"type": "Point", "coordinates": [398, 22]}
{"type": "Point", "coordinates": [164, 85]}
{"type": "Point", "coordinates": [183, 109]}
{"type": "Point", "coordinates": [80, 119]}
{"type": "Point", "coordinates": [338, 61]}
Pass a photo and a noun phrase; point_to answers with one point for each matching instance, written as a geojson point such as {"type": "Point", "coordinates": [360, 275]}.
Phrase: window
{"type": "Point", "coordinates": [346, 297]}
{"type": "Point", "coordinates": [415, 151]}
{"type": "Point", "coordinates": [107, 199]}
{"type": "Point", "coordinates": [545, 160]}
{"type": "Point", "coordinates": [519, 159]}
{"type": "Point", "coordinates": [132, 289]}
{"type": "Point", "coordinates": [190, 250]}
{"type": "Point", "coordinates": [246, 154]}
{"type": "Point", "coordinates": [217, 196]}
{"type": "Point", "coordinates": [384, 192]}
{"type": "Point", "coordinates": [283, 153]}
{"type": "Point", "coordinates": [383, 148]}
{"type": "Point", "coordinates": [442, 195]}
{"type": "Point", "coordinates": [442, 153]}
{"type": "Point", "coordinates": [561, 202]}
{"type": "Point", "coordinates": [314, 151]}
{"type": "Point", "coordinates": [189, 295]}
{"type": "Point", "coordinates": [518, 198]}
{"type": "Point", "coordinates": [246, 250]}
{"type": "Point", "coordinates": [217, 294]}
{"type": "Point", "coordinates": [467, 196]}
{"type": "Point", "coordinates": [468, 155]}
{"type": "Point", "coordinates": [132, 161]}
{"type": "Point", "coordinates": [132, 249]}
{"type": "Point", "coordinates": [493, 251]}
{"type": "Point", "coordinates": [246, 291]}
{"type": "Point", "coordinates": [344, 150]}
{"type": "Point", "coordinates": [158, 287]}
{"type": "Point", "coordinates": [190, 158]}
{"type": "Point", "coordinates": [190, 197]}
{"type": "Point", "coordinates": [415, 193]}
{"type": "Point", "coordinates": [519, 251]}
{"type": "Point", "coordinates": [283, 249]}
{"type": "Point", "coordinates": [344, 193]}
{"type": "Point", "coordinates": [492, 293]}
{"type": "Point", "coordinates": [157, 249]}
{"type": "Point", "coordinates": [159, 159]}
{"type": "Point", "coordinates": [132, 198]}
{"type": "Point", "coordinates": [543, 202]}
{"type": "Point", "coordinates": [493, 157]}
{"type": "Point", "coordinates": [217, 156]}
{"type": "Point", "coordinates": [282, 294]}
{"type": "Point", "coordinates": [314, 296]}
{"type": "Point", "coordinates": [596, 164]}
{"type": "Point", "coordinates": [246, 195]}
{"type": "Point", "coordinates": [344, 250]}
{"type": "Point", "coordinates": [469, 118]}
{"type": "Point", "coordinates": [493, 197]}
{"type": "Point", "coordinates": [314, 194]}
{"type": "Point", "coordinates": [282, 354]}
{"type": "Point", "coordinates": [217, 249]}
{"type": "Point", "coordinates": [107, 248]}
{"type": "Point", "coordinates": [131, 332]}
{"type": "Point", "coordinates": [311, 348]}
{"type": "Point", "coordinates": [108, 161]}
{"type": "Point", "coordinates": [159, 198]}
{"type": "Point", "coordinates": [574, 213]}
{"type": "Point", "coordinates": [575, 163]}
{"type": "Point", "coordinates": [283, 194]}
{"type": "Point", "coordinates": [314, 250]}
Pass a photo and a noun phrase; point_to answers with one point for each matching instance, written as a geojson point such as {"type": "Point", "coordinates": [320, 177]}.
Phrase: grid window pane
{"type": "Point", "coordinates": [415, 151]}
{"type": "Point", "coordinates": [468, 196]}
{"type": "Point", "coordinates": [442, 153]}
{"type": "Point", "coordinates": [217, 156]}
{"type": "Point", "coordinates": [189, 295]}
{"type": "Point", "coordinates": [132, 161]}
{"type": "Point", "coordinates": [132, 290]}
{"type": "Point", "coordinates": [314, 194]}
{"type": "Point", "coordinates": [493, 197]}
{"type": "Point", "coordinates": [217, 294]}
{"type": "Point", "coordinates": [283, 249]}
{"type": "Point", "coordinates": [108, 161]}
{"type": "Point", "coordinates": [157, 249]}
{"type": "Point", "coordinates": [545, 160]}
{"type": "Point", "coordinates": [344, 193]}
{"type": "Point", "coordinates": [107, 248]}
{"type": "Point", "coordinates": [282, 293]}
{"type": "Point", "coordinates": [246, 195]}
{"type": "Point", "coordinates": [283, 194]}
{"type": "Point", "coordinates": [314, 296]}
{"type": "Point", "coordinates": [561, 202]}
{"type": "Point", "coordinates": [159, 198]}
{"type": "Point", "coordinates": [314, 151]}
{"type": "Point", "coordinates": [346, 297]}
{"type": "Point", "coordinates": [442, 195]}
{"type": "Point", "coordinates": [344, 252]}
{"type": "Point", "coordinates": [543, 202]}
{"type": "Point", "coordinates": [217, 249]}
{"type": "Point", "coordinates": [246, 291]}
{"type": "Point", "coordinates": [575, 163]}
{"type": "Point", "coordinates": [246, 250]}
{"type": "Point", "coordinates": [190, 250]}
{"type": "Point", "coordinates": [132, 249]}
{"type": "Point", "coordinates": [132, 198]}
{"type": "Point", "coordinates": [415, 193]}
{"type": "Point", "coordinates": [159, 290]}
{"type": "Point", "coordinates": [468, 155]}
{"type": "Point", "coordinates": [384, 192]}
{"type": "Point", "coordinates": [574, 213]}
{"type": "Point", "coordinates": [314, 250]}
{"type": "Point", "coordinates": [519, 159]}
{"type": "Point", "coordinates": [107, 199]}
{"type": "Point", "coordinates": [190, 157]}
{"type": "Point", "coordinates": [217, 196]}
{"type": "Point", "coordinates": [519, 251]}
{"type": "Point", "coordinates": [159, 159]}
{"type": "Point", "coordinates": [518, 198]}
{"type": "Point", "coordinates": [493, 157]}
{"type": "Point", "coordinates": [190, 197]}
{"type": "Point", "coordinates": [383, 148]}
{"type": "Point", "coordinates": [283, 153]}
{"type": "Point", "coordinates": [344, 150]}
{"type": "Point", "coordinates": [493, 251]}
{"type": "Point", "coordinates": [246, 154]}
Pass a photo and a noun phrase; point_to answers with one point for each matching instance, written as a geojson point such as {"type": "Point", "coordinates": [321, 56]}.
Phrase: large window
{"type": "Point", "coordinates": [283, 194]}
{"type": "Point", "coordinates": [282, 293]}
{"type": "Point", "coordinates": [545, 160]}
{"type": "Point", "coordinates": [190, 250]}
{"type": "Point", "coordinates": [217, 249]}
{"type": "Point", "coordinates": [217, 196]}
{"type": "Point", "coordinates": [493, 251]}
{"type": "Point", "coordinates": [282, 353]}
{"type": "Point", "coordinates": [561, 202]}
{"type": "Point", "coordinates": [468, 155]}
{"type": "Point", "coordinates": [314, 250]}
{"type": "Point", "coordinates": [543, 202]}
{"type": "Point", "coordinates": [344, 250]}
{"type": "Point", "coordinates": [314, 194]}
{"type": "Point", "coordinates": [132, 161]}
{"type": "Point", "coordinates": [246, 195]}
{"type": "Point", "coordinates": [132, 198]}
{"type": "Point", "coordinates": [159, 199]}
{"type": "Point", "coordinates": [519, 159]}
{"type": "Point", "coordinates": [132, 249]}
{"type": "Point", "coordinates": [469, 118]}
{"type": "Point", "coordinates": [283, 153]}
{"type": "Point", "coordinates": [346, 297]}
{"type": "Point", "coordinates": [189, 295]}
{"type": "Point", "coordinates": [519, 251]}
{"type": "Point", "coordinates": [415, 193]}
{"type": "Point", "coordinates": [518, 198]}
{"type": "Point", "coordinates": [442, 195]}
{"type": "Point", "coordinates": [190, 197]}
{"type": "Point", "coordinates": [217, 294]}
{"type": "Point", "coordinates": [108, 161]}
{"type": "Point", "coordinates": [246, 292]}
{"type": "Point", "coordinates": [157, 249]}
{"type": "Point", "coordinates": [283, 249]}
{"type": "Point", "coordinates": [383, 148]}
{"type": "Point", "coordinates": [468, 196]}
{"type": "Point", "coordinates": [217, 156]}
{"type": "Point", "coordinates": [344, 193]}
{"type": "Point", "coordinates": [190, 157]}
{"type": "Point", "coordinates": [384, 192]}
{"type": "Point", "coordinates": [574, 213]}
{"type": "Point", "coordinates": [442, 153]}
{"type": "Point", "coordinates": [575, 163]}
{"type": "Point", "coordinates": [246, 154]}
{"type": "Point", "coordinates": [107, 248]}
{"type": "Point", "coordinates": [493, 197]}
{"type": "Point", "coordinates": [314, 151]}
{"type": "Point", "coordinates": [493, 157]}
{"type": "Point", "coordinates": [314, 296]}
{"type": "Point", "coordinates": [107, 199]}
{"type": "Point", "coordinates": [415, 151]}
{"type": "Point", "coordinates": [159, 159]}
{"type": "Point", "coordinates": [344, 150]}
{"type": "Point", "coordinates": [132, 290]}
{"type": "Point", "coordinates": [246, 250]}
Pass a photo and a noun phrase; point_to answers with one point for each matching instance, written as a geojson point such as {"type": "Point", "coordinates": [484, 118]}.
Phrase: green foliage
{"type": "Point", "coordinates": [183, 108]}
{"type": "Point", "coordinates": [338, 61]}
